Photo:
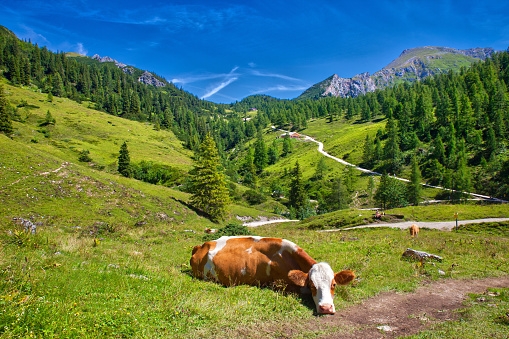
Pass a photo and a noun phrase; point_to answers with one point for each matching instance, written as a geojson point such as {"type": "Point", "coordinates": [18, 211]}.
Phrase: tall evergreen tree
{"type": "Point", "coordinates": [210, 191]}
{"type": "Point", "coordinates": [390, 193]}
{"type": "Point", "coordinates": [297, 198]}
{"type": "Point", "coordinates": [5, 120]}
{"type": "Point", "coordinates": [337, 197]}
{"type": "Point", "coordinates": [321, 168]}
{"type": "Point", "coordinates": [124, 161]}
{"type": "Point", "coordinates": [272, 153]}
{"type": "Point", "coordinates": [414, 185]}
{"type": "Point", "coordinates": [260, 154]}
{"type": "Point", "coordinates": [392, 152]}
{"type": "Point", "coordinates": [287, 145]}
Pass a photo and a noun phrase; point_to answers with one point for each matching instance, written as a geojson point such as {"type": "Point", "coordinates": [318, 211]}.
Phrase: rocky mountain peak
{"type": "Point", "coordinates": [412, 65]}
{"type": "Point", "coordinates": [146, 78]}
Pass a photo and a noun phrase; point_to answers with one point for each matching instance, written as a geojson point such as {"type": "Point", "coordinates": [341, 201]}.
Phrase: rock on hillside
{"type": "Point", "coordinates": [146, 78]}
{"type": "Point", "coordinates": [412, 65]}
{"type": "Point", "coordinates": [149, 79]}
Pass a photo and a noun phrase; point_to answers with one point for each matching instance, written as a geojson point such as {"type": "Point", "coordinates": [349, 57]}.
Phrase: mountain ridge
{"type": "Point", "coordinates": [412, 65]}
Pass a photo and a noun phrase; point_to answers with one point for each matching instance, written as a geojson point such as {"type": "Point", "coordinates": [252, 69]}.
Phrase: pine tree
{"type": "Point", "coordinates": [390, 193]}
{"type": "Point", "coordinates": [210, 191]}
{"type": "Point", "coordinates": [272, 153]}
{"type": "Point", "coordinates": [287, 145]}
{"type": "Point", "coordinates": [371, 186]}
{"type": "Point", "coordinates": [248, 168]}
{"type": "Point", "coordinates": [260, 154]}
{"type": "Point", "coordinates": [392, 152]}
{"type": "Point", "coordinates": [321, 168]}
{"type": "Point", "coordinates": [5, 120]}
{"type": "Point", "coordinates": [338, 197]}
{"type": "Point", "coordinates": [297, 197]}
{"type": "Point", "coordinates": [414, 185]}
{"type": "Point", "coordinates": [124, 161]}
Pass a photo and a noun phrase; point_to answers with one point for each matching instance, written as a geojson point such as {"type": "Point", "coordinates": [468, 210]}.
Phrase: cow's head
{"type": "Point", "coordinates": [321, 280]}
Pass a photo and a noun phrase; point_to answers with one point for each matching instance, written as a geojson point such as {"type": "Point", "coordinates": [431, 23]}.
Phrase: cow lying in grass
{"type": "Point", "coordinates": [252, 260]}
{"type": "Point", "coordinates": [414, 230]}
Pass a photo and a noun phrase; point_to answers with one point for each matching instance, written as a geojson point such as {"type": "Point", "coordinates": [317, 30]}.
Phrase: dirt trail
{"type": "Point", "coordinates": [440, 225]}
{"type": "Point", "coordinates": [391, 314]}
{"type": "Point", "coordinates": [407, 313]}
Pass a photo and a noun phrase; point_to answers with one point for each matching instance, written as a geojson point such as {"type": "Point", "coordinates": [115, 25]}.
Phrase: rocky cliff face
{"type": "Point", "coordinates": [146, 78]}
{"type": "Point", "coordinates": [412, 65]}
{"type": "Point", "coordinates": [149, 79]}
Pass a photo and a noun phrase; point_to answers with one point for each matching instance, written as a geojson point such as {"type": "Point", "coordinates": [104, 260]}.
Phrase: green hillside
{"type": "Point", "coordinates": [436, 56]}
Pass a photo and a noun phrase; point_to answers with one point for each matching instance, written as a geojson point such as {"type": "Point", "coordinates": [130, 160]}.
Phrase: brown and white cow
{"type": "Point", "coordinates": [414, 230]}
{"type": "Point", "coordinates": [252, 260]}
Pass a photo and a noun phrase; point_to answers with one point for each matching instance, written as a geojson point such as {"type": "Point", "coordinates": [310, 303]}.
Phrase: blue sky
{"type": "Point", "coordinates": [223, 51]}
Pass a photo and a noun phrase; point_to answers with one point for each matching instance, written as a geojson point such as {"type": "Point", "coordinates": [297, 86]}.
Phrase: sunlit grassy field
{"type": "Point", "coordinates": [110, 256]}
{"type": "Point", "coordinates": [136, 282]}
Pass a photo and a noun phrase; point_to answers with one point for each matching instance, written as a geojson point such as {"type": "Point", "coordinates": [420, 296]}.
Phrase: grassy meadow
{"type": "Point", "coordinates": [111, 254]}
{"type": "Point", "coordinates": [135, 281]}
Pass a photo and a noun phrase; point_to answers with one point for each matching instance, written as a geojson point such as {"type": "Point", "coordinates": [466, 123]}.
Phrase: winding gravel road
{"type": "Point", "coordinates": [320, 149]}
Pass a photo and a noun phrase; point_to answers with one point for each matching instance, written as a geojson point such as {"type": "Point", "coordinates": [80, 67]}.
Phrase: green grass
{"type": "Point", "coordinates": [446, 212]}
{"type": "Point", "coordinates": [80, 128]}
{"type": "Point", "coordinates": [135, 282]}
{"type": "Point", "coordinates": [111, 255]}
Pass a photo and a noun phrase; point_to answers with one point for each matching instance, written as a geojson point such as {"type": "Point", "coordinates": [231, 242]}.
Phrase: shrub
{"type": "Point", "coordinates": [229, 230]}
{"type": "Point", "coordinates": [84, 156]}
{"type": "Point", "coordinates": [254, 197]}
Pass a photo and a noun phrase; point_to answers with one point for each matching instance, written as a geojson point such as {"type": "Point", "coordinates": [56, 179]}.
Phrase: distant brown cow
{"type": "Point", "coordinates": [414, 230]}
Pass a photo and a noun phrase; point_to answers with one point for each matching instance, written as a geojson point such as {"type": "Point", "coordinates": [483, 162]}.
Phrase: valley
{"type": "Point", "coordinates": [96, 237]}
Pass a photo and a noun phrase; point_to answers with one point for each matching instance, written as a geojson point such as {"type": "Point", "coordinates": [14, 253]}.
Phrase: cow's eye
{"type": "Point", "coordinates": [333, 285]}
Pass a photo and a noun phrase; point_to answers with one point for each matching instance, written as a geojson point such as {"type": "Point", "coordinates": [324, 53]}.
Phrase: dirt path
{"type": "Point", "coordinates": [440, 225]}
{"type": "Point", "coordinates": [407, 313]}
{"type": "Point", "coordinates": [320, 150]}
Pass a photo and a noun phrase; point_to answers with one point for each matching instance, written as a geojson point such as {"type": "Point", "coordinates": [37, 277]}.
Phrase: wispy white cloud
{"type": "Point", "coordinates": [80, 49]}
{"type": "Point", "coordinates": [187, 79]}
{"type": "Point", "coordinates": [219, 87]}
{"type": "Point", "coordinates": [228, 79]}
{"type": "Point", "coordinates": [274, 75]}
{"type": "Point", "coordinates": [32, 35]}
{"type": "Point", "coordinates": [280, 88]}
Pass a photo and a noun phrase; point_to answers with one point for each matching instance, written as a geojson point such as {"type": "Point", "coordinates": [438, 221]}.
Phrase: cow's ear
{"type": "Point", "coordinates": [298, 277]}
{"type": "Point", "coordinates": [344, 277]}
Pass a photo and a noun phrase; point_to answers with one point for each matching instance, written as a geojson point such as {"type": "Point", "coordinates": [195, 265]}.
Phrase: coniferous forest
{"type": "Point", "coordinates": [451, 128]}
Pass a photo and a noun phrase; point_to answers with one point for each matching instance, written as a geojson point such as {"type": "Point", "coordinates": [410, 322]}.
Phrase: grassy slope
{"type": "Point", "coordinates": [448, 60]}
{"type": "Point", "coordinates": [79, 128]}
{"type": "Point", "coordinates": [134, 281]}
{"type": "Point", "coordinates": [31, 153]}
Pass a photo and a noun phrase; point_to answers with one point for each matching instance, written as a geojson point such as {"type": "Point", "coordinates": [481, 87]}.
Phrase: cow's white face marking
{"type": "Point", "coordinates": [322, 276]}
{"type": "Point", "coordinates": [249, 250]}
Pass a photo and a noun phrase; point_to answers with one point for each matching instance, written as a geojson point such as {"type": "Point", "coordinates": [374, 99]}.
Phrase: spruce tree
{"type": "Point", "coordinates": [390, 193]}
{"type": "Point", "coordinates": [5, 121]}
{"type": "Point", "coordinates": [124, 161]}
{"type": "Point", "coordinates": [260, 154]}
{"type": "Point", "coordinates": [414, 185]}
{"type": "Point", "coordinates": [338, 196]}
{"type": "Point", "coordinates": [287, 145]}
{"type": "Point", "coordinates": [272, 153]}
{"type": "Point", "coordinates": [297, 197]}
{"type": "Point", "coordinates": [210, 191]}
{"type": "Point", "coordinates": [321, 168]}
